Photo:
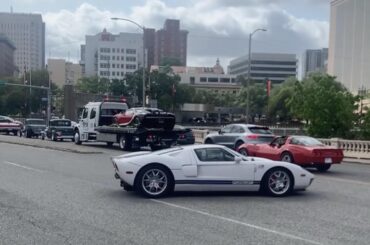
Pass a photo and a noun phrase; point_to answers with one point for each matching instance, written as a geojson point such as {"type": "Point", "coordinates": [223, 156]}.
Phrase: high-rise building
{"type": "Point", "coordinates": [170, 43]}
{"type": "Point", "coordinates": [314, 60]}
{"type": "Point", "coordinates": [7, 67]}
{"type": "Point", "coordinates": [111, 56]}
{"type": "Point", "coordinates": [27, 33]}
{"type": "Point", "coordinates": [149, 39]}
{"type": "Point", "coordinates": [349, 46]}
{"type": "Point", "coordinates": [62, 72]}
{"type": "Point", "coordinates": [265, 66]}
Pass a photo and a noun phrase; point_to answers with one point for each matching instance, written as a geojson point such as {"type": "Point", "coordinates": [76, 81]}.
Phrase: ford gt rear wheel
{"type": "Point", "coordinates": [278, 182]}
{"type": "Point", "coordinates": [154, 181]}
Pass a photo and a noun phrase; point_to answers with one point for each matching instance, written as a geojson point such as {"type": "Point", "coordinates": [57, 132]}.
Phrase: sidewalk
{"type": "Point", "coordinates": [47, 144]}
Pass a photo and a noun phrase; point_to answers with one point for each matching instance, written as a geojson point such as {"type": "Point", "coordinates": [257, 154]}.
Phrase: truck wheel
{"type": "Point", "coordinates": [77, 138]}
{"type": "Point", "coordinates": [125, 143]}
{"type": "Point", "coordinates": [15, 132]}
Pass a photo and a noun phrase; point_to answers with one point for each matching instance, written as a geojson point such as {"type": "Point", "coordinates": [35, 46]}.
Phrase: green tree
{"type": "Point", "coordinates": [93, 85]}
{"type": "Point", "coordinates": [278, 100]}
{"type": "Point", "coordinates": [257, 99]}
{"type": "Point", "coordinates": [325, 104]}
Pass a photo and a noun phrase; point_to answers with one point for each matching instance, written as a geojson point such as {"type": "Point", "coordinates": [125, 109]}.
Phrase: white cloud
{"type": "Point", "coordinates": [216, 28]}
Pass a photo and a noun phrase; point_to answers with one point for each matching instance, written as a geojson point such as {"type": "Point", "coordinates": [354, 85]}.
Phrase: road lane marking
{"type": "Point", "coordinates": [345, 180]}
{"type": "Point", "coordinates": [22, 166]}
{"type": "Point", "coordinates": [283, 234]}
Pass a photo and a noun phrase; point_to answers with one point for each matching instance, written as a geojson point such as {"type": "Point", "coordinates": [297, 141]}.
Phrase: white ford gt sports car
{"type": "Point", "coordinates": [206, 168]}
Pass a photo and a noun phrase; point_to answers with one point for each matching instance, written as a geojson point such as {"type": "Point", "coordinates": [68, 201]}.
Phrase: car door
{"type": "Point", "coordinates": [271, 151]}
{"type": "Point", "coordinates": [92, 119]}
{"type": "Point", "coordinates": [217, 168]}
{"type": "Point", "coordinates": [221, 137]}
{"type": "Point", "coordinates": [235, 132]}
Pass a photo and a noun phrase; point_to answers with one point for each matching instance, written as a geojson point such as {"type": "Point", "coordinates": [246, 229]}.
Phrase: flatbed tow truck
{"type": "Point", "coordinates": [97, 124]}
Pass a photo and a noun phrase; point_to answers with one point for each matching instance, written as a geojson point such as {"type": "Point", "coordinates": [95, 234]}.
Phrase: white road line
{"type": "Point", "coordinates": [345, 180]}
{"type": "Point", "coordinates": [283, 234]}
{"type": "Point", "coordinates": [22, 166]}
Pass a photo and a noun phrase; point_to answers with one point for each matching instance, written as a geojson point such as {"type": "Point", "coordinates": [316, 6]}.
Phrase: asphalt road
{"type": "Point", "coordinates": [55, 197]}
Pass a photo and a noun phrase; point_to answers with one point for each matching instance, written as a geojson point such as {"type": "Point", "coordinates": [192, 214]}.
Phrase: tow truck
{"type": "Point", "coordinates": [97, 123]}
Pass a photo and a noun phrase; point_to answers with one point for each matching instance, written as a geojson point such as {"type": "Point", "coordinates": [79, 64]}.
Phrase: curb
{"type": "Point", "coordinates": [51, 147]}
{"type": "Point", "coordinates": [355, 160]}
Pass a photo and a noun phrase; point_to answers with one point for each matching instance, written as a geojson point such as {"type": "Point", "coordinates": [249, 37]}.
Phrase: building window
{"type": "Point", "coordinates": [225, 79]}
{"type": "Point", "coordinates": [131, 58]}
{"type": "Point", "coordinates": [233, 80]}
{"type": "Point", "coordinates": [113, 73]}
{"type": "Point", "coordinates": [213, 79]}
{"type": "Point", "coordinates": [203, 79]}
{"type": "Point", "coordinates": [129, 66]}
{"type": "Point", "coordinates": [122, 50]}
{"type": "Point", "coordinates": [118, 50]}
{"type": "Point", "coordinates": [114, 65]}
{"type": "Point", "coordinates": [122, 74]}
{"type": "Point", "coordinates": [113, 57]}
{"type": "Point", "coordinates": [192, 80]}
{"type": "Point", "coordinates": [131, 51]}
{"type": "Point", "coordinates": [122, 66]}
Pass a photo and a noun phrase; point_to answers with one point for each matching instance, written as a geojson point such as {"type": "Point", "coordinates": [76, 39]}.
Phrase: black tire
{"type": "Point", "coordinates": [244, 152]}
{"type": "Point", "coordinates": [27, 134]}
{"type": "Point", "coordinates": [53, 137]}
{"type": "Point", "coordinates": [208, 141]}
{"type": "Point", "coordinates": [110, 144]}
{"type": "Point", "coordinates": [323, 168]}
{"type": "Point", "coordinates": [287, 157]}
{"type": "Point", "coordinates": [125, 143]}
{"type": "Point", "coordinates": [286, 183]}
{"type": "Point", "coordinates": [61, 140]}
{"type": "Point", "coordinates": [15, 132]}
{"type": "Point", "coordinates": [42, 137]}
{"type": "Point", "coordinates": [237, 144]}
{"type": "Point", "coordinates": [77, 138]}
{"type": "Point", "coordinates": [161, 170]}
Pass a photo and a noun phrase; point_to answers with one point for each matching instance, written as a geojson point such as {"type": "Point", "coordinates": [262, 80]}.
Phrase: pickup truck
{"type": "Point", "coordinates": [114, 122]}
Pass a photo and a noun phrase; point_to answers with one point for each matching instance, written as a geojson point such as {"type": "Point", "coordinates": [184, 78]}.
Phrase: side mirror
{"type": "Point", "coordinates": [237, 159]}
{"type": "Point", "coordinates": [220, 132]}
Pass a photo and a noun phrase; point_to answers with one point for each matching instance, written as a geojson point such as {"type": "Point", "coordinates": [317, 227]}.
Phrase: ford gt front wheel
{"type": "Point", "coordinates": [278, 182]}
{"type": "Point", "coordinates": [154, 181]}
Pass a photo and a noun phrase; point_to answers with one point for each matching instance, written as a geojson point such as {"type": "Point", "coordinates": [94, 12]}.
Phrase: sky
{"type": "Point", "coordinates": [217, 28]}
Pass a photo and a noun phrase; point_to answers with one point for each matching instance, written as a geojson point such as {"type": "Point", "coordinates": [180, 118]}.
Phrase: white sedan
{"type": "Point", "coordinates": [206, 168]}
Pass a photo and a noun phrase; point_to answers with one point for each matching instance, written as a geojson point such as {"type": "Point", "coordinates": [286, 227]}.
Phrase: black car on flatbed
{"type": "Point", "coordinates": [33, 127]}
{"type": "Point", "coordinates": [59, 129]}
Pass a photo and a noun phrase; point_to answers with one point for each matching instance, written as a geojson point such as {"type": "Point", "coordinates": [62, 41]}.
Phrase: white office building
{"type": "Point", "coordinates": [206, 78]}
{"type": "Point", "coordinates": [27, 33]}
{"type": "Point", "coordinates": [265, 66]}
{"type": "Point", "coordinates": [349, 46]}
{"type": "Point", "coordinates": [111, 56]}
{"type": "Point", "coordinates": [314, 60]}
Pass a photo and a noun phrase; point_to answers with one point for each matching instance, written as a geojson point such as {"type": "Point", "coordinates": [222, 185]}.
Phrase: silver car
{"type": "Point", "coordinates": [234, 135]}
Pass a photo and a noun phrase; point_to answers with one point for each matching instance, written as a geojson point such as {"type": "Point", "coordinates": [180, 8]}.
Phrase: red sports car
{"type": "Point", "coordinates": [146, 118]}
{"type": "Point", "coordinates": [302, 150]}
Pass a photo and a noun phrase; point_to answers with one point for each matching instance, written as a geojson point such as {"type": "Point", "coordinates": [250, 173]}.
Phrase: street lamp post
{"type": "Point", "coordinates": [143, 29]}
{"type": "Point", "coordinates": [249, 68]}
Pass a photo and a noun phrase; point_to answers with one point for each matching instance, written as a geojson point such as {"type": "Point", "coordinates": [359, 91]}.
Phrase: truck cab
{"type": "Point", "coordinates": [96, 114]}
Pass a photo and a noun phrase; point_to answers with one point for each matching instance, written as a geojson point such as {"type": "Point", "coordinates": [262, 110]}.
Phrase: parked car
{"type": "Point", "coordinates": [145, 118]}
{"type": "Point", "coordinates": [186, 137]}
{"type": "Point", "coordinates": [234, 135]}
{"type": "Point", "coordinates": [197, 120]}
{"type": "Point", "coordinates": [205, 168]}
{"type": "Point", "coordinates": [59, 129]}
{"type": "Point", "coordinates": [9, 125]}
{"type": "Point", "coordinates": [302, 150]}
{"type": "Point", "coordinates": [33, 127]}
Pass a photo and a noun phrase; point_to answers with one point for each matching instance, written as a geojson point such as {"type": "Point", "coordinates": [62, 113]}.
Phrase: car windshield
{"type": "Point", "coordinates": [36, 122]}
{"type": "Point", "coordinates": [61, 123]}
{"type": "Point", "coordinates": [306, 141]}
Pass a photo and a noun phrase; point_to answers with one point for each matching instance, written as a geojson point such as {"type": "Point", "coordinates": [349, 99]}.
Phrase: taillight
{"type": "Point", "coordinates": [252, 136]}
{"type": "Point", "coordinates": [182, 136]}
